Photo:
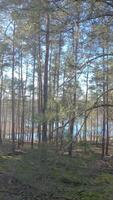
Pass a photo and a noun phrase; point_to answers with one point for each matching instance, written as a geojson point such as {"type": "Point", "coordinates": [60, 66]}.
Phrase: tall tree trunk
{"type": "Point", "coordinates": [33, 99]}
{"type": "Point", "coordinates": [39, 86]}
{"type": "Point", "coordinates": [13, 93]}
{"type": "Point", "coordinates": [107, 111]}
{"type": "Point", "coordinates": [97, 117]}
{"type": "Point", "coordinates": [44, 134]}
{"type": "Point", "coordinates": [58, 72]}
{"type": "Point", "coordinates": [86, 101]}
{"type": "Point", "coordinates": [1, 86]}
{"type": "Point", "coordinates": [104, 114]}
{"type": "Point", "coordinates": [23, 101]}
{"type": "Point", "coordinates": [50, 92]}
{"type": "Point", "coordinates": [75, 52]}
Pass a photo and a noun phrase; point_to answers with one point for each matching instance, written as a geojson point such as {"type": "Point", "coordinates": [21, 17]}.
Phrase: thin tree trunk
{"type": "Point", "coordinates": [75, 52]}
{"type": "Point", "coordinates": [107, 111]}
{"type": "Point", "coordinates": [44, 134]}
{"type": "Point", "coordinates": [1, 74]}
{"type": "Point", "coordinates": [13, 94]}
{"type": "Point", "coordinates": [33, 99]}
{"type": "Point", "coordinates": [86, 101]}
{"type": "Point", "coordinates": [104, 114]}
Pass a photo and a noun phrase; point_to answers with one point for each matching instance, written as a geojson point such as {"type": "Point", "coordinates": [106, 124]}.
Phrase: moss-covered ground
{"type": "Point", "coordinates": [42, 174]}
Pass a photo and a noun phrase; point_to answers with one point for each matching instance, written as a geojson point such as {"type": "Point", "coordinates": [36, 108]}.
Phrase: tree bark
{"type": "Point", "coordinates": [44, 133]}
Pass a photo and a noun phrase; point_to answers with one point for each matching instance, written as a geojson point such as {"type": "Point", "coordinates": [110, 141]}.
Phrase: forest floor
{"type": "Point", "coordinates": [42, 174]}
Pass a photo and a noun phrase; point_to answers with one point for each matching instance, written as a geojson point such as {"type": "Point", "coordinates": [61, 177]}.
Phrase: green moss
{"type": "Point", "coordinates": [55, 172]}
{"type": "Point", "coordinates": [71, 180]}
{"type": "Point", "coordinates": [91, 196]}
{"type": "Point", "coordinates": [60, 176]}
{"type": "Point", "coordinates": [104, 178]}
